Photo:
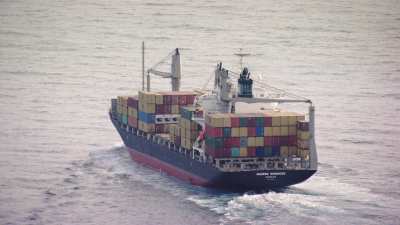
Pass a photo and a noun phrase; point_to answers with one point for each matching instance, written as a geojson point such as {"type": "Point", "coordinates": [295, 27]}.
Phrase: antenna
{"type": "Point", "coordinates": [241, 55]}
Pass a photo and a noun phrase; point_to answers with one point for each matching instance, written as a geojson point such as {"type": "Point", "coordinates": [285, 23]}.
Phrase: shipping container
{"type": "Point", "coordinates": [268, 131]}
{"type": "Point", "coordinates": [235, 132]}
{"type": "Point", "coordinates": [260, 152]}
{"type": "Point", "coordinates": [243, 132]}
{"type": "Point", "coordinates": [303, 135]}
{"type": "Point", "coordinates": [235, 121]}
{"type": "Point", "coordinates": [235, 152]}
{"type": "Point", "coordinates": [243, 152]}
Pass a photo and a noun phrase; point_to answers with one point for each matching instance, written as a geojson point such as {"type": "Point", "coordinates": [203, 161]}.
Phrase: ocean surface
{"type": "Point", "coordinates": [61, 161]}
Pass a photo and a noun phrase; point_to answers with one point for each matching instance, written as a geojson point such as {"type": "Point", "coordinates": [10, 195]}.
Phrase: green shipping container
{"type": "Point", "coordinates": [260, 121]}
{"type": "Point", "coordinates": [268, 151]}
{"type": "Point", "coordinates": [125, 119]}
{"type": "Point", "coordinates": [215, 143]}
{"type": "Point", "coordinates": [235, 152]}
{"type": "Point", "coordinates": [243, 121]}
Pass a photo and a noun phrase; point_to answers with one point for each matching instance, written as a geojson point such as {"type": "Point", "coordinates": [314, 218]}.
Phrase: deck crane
{"type": "Point", "coordinates": [174, 75]}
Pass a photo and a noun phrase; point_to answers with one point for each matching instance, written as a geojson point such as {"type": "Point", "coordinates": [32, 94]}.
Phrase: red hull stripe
{"type": "Point", "coordinates": [168, 168]}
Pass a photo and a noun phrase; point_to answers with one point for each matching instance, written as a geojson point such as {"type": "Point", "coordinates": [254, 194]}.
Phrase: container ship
{"type": "Point", "coordinates": [203, 136]}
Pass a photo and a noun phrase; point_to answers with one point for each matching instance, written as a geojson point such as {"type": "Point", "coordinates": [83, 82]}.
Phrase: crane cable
{"type": "Point", "coordinates": [262, 85]}
{"type": "Point", "coordinates": [162, 60]}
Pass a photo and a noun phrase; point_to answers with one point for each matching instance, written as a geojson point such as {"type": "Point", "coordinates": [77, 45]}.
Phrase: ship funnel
{"type": "Point", "coordinates": [245, 84]}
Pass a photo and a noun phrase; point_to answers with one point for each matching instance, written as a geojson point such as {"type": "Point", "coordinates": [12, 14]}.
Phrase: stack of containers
{"type": "Point", "coordinates": [303, 137]}
{"type": "Point", "coordinates": [190, 130]}
{"type": "Point", "coordinates": [122, 109]}
{"type": "Point", "coordinates": [270, 134]}
{"type": "Point", "coordinates": [175, 134]}
{"type": "Point", "coordinates": [152, 104]}
{"type": "Point", "coordinates": [114, 103]}
{"type": "Point", "coordinates": [281, 133]}
{"type": "Point", "coordinates": [133, 104]}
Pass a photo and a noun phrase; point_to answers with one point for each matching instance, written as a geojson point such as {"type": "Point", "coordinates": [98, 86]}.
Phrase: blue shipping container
{"type": "Point", "coordinates": [268, 151]}
{"type": "Point", "coordinates": [260, 152]}
{"type": "Point", "coordinates": [243, 142]}
{"type": "Point", "coordinates": [276, 151]}
{"type": "Point", "coordinates": [146, 117]}
{"type": "Point", "coordinates": [260, 131]}
{"type": "Point", "coordinates": [227, 131]}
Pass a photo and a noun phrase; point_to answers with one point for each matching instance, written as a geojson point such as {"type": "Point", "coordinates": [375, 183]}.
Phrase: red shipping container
{"type": "Point", "coordinates": [231, 142]}
{"type": "Point", "coordinates": [235, 122]}
{"type": "Point", "coordinates": [132, 121]}
{"type": "Point", "coordinates": [283, 140]}
{"type": "Point", "coordinates": [213, 131]}
{"type": "Point", "coordinates": [268, 141]}
{"type": "Point", "coordinates": [167, 99]}
{"type": "Point", "coordinates": [133, 102]}
{"type": "Point", "coordinates": [159, 128]}
{"type": "Point", "coordinates": [251, 132]}
{"type": "Point", "coordinates": [276, 141]}
{"type": "Point", "coordinates": [160, 109]}
{"type": "Point", "coordinates": [190, 99]}
{"type": "Point", "coordinates": [226, 153]}
{"type": "Point", "coordinates": [251, 151]}
{"type": "Point", "coordinates": [175, 100]}
{"type": "Point", "coordinates": [267, 121]}
{"type": "Point", "coordinates": [235, 141]}
{"type": "Point", "coordinates": [251, 122]}
{"type": "Point", "coordinates": [182, 99]}
{"type": "Point", "coordinates": [178, 140]}
{"type": "Point", "coordinates": [167, 109]}
{"type": "Point", "coordinates": [292, 140]}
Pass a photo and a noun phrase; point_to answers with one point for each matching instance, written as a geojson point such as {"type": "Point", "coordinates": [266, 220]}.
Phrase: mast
{"type": "Point", "coordinates": [143, 66]}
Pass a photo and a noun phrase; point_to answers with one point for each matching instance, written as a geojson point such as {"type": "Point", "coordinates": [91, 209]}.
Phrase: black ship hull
{"type": "Point", "coordinates": [177, 164]}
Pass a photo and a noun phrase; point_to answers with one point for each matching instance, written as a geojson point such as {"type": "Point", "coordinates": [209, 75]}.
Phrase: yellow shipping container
{"type": "Point", "coordinates": [216, 120]}
{"type": "Point", "coordinates": [125, 111]}
{"type": "Point", "coordinates": [276, 131]}
{"type": "Point", "coordinates": [227, 121]}
{"type": "Point", "coordinates": [175, 109]}
{"type": "Point", "coordinates": [132, 112]}
{"type": "Point", "coordinates": [148, 127]}
{"type": "Point", "coordinates": [284, 120]}
{"type": "Point", "coordinates": [159, 99]}
{"type": "Point", "coordinates": [259, 141]}
{"type": "Point", "coordinates": [276, 120]}
{"type": "Point", "coordinates": [292, 130]}
{"type": "Point", "coordinates": [150, 108]}
{"type": "Point", "coordinates": [187, 133]}
{"type": "Point", "coordinates": [147, 97]}
{"type": "Point", "coordinates": [300, 118]}
{"type": "Point", "coordinates": [303, 135]}
{"type": "Point", "coordinates": [189, 143]}
{"type": "Point", "coordinates": [284, 131]}
{"type": "Point", "coordinates": [251, 141]}
{"type": "Point", "coordinates": [243, 152]}
{"type": "Point", "coordinates": [292, 120]}
{"type": "Point", "coordinates": [243, 131]}
{"type": "Point", "coordinates": [268, 131]}
{"type": "Point", "coordinates": [235, 132]}
{"type": "Point", "coordinates": [284, 151]}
